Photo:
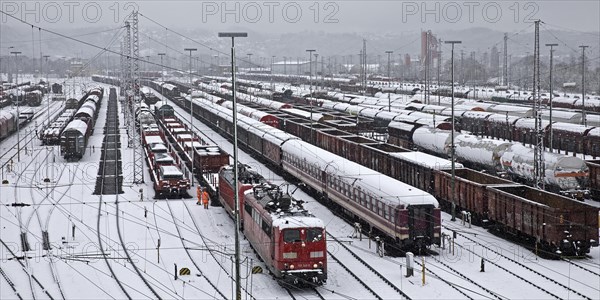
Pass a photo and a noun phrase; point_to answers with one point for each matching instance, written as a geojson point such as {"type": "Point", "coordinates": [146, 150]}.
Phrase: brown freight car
{"type": "Point", "coordinates": [376, 156]}
{"type": "Point", "coordinates": [559, 225]}
{"type": "Point", "coordinates": [594, 171]}
{"type": "Point", "coordinates": [470, 191]}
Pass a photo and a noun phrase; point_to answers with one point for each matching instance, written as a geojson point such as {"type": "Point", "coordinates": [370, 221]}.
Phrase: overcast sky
{"type": "Point", "coordinates": [328, 16]}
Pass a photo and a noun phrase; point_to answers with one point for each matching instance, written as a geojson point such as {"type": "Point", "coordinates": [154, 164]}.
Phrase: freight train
{"type": "Point", "coordinates": [563, 174]}
{"type": "Point", "coordinates": [74, 137]}
{"type": "Point", "coordinates": [405, 216]}
{"type": "Point", "coordinates": [568, 227]}
{"type": "Point", "coordinates": [163, 165]}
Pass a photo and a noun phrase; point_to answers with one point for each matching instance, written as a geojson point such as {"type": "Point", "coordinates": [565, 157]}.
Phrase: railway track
{"type": "Point", "coordinates": [6, 157]}
{"type": "Point", "coordinates": [570, 261]}
{"type": "Point", "coordinates": [305, 294]}
{"type": "Point", "coordinates": [527, 280]}
{"type": "Point", "coordinates": [10, 283]}
{"type": "Point", "coordinates": [212, 252]}
{"type": "Point", "coordinates": [187, 250]}
{"type": "Point", "coordinates": [44, 230]}
{"type": "Point", "coordinates": [111, 125]}
{"type": "Point", "coordinates": [25, 267]}
{"type": "Point", "coordinates": [358, 271]}
{"type": "Point", "coordinates": [23, 226]}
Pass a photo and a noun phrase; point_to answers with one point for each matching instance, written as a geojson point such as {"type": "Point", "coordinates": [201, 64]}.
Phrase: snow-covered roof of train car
{"type": "Point", "coordinates": [7, 114]}
{"type": "Point", "coordinates": [153, 139]}
{"type": "Point", "coordinates": [427, 160]}
{"type": "Point", "coordinates": [402, 126]}
{"type": "Point", "coordinates": [342, 106]}
{"type": "Point", "coordinates": [566, 100]}
{"type": "Point", "coordinates": [566, 116]}
{"type": "Point", "coordinates": [88, 110]}
{"type": "Point", "coordinates": [156, 147]}
{"type": "Point", "coordinates": [594, 132]}
{"type": "Point", "coordinates": [575, 128]}
{"type": "Point", "coordinates": [388, 189]}
{"type": "Point", "coordinates": [286, 222]}
{"type": "Point", "coordinates": [384, 115]}
{"type": "Point", "coordinates": [589, 103]}
{"type": "Point", "coordinates": [76, 125]}
{"type": "Point", "coordinates": [529, 123]}
{"type": "Point", "coordinates": [163, 158]}
{"type": "Point", "coordinates": [93, 98]}
{"type": "Point", "coordinates": [511, 109]}
{"type": "Point", "coordinates": [499, 118]}
{"type": "Point", "coordinates": [520, 159]}
{"type": "Point", "coordinates": [479, 150]}
{"type": "Point", "coordinates": [433, 108]}
{"type": "Point", "coordinates": [473, 114]}
{"type": "Point", "coordinates": [405, 118]}
{"type": "Point", "coordinates": [315, 116]}
{"type": "Point", "coordinates": [277, 136]}
{"type": "Point", "coordinates": [418, 114]}
{"type": "Point", "coordinates": [432, 139]}
{"type": "Point", "coordinates": [171, 171]}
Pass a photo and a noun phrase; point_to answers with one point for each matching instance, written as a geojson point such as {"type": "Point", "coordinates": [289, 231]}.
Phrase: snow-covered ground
{"type": "Point", "coordinates": [76, 269]}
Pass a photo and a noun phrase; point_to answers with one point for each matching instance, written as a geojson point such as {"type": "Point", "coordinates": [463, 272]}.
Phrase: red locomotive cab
{"type": "Point", "coordinates": [300, 253]}
{"type": "Point", "coordinates": [171, 181]}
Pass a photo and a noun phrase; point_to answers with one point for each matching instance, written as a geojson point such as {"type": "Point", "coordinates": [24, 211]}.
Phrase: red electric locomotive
{"type": "Point", "coordinates": [289, 239]}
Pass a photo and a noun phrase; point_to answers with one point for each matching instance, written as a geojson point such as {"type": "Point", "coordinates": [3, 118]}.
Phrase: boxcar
{"type": "Point", "coordinates": [559, 225]}
{"type": "Point", "coordinates": [594, 171]}
{"type": "Point", "coordinates": [470, 191]}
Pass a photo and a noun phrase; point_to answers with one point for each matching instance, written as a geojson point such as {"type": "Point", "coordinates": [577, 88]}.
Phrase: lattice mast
{"type": "Point", "coordinates": [539, 164]}
{"type": "Point", "coordinates": [135, 98]}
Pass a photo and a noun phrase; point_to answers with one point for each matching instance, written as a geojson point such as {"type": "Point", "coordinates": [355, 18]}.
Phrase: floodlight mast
{"type": "Point", "coordinates": [238, 287]}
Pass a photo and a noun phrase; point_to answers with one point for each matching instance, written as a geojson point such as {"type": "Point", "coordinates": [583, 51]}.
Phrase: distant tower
{"type": "Point", "coordinates": [505, 62]}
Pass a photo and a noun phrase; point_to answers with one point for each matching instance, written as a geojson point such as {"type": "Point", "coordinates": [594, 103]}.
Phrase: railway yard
{"type": "Point", "coordinates": [127, 177]}
{"type": "Point", "coordinates": [57, 230]}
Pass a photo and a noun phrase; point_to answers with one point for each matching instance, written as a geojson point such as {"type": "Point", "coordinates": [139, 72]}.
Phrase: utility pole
{"type": "Point", "coordinates": [583, 117]}
{"type": "Point", "coordinates": [538, 157]}
{"type": "Point", "coordinates": [192, 114]}
{"type": "Point", "coordinates": [16, 53]}
{"type": "Point", "coordinates": [50, 88]}
{"type": "Point", "coordinates": [452, 132]}
{"type": "Point", "coordinates": [162, 71]}
{"type": "Point", "coordinates": [439, 68]}
{"type": "Point", "coordinates": [426, 65]}
{"type": "Point", "coordinates": [551, 93]}
{"type": "Point", "coordinates": [272, 85]}
{"type": "Point", "coordinates": [238, 286]}
{"type": "Point", "coordinates": [310, 52]}
{"type": "Point", "coordinates": [249, 62]}
{"type": "Point", "coordinates": [389, 53]}
{"type": "Point", "coordinates": [462, 67]}
{"type": "Point", "coordinates": [505, 62]}
{"type": "Point", "coordinates": [364, 52]}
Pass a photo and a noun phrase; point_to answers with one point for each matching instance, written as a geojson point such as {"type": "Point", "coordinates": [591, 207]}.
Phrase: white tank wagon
{"type": "Point", "coordinates": [479, 151]}
{"type": "Point", "coordinates": [567, 173]}
{"type": "Point", "coordinates": [433, 140]}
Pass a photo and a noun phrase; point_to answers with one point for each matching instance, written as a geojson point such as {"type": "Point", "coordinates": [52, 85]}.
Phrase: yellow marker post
{"type": "Point", "coordinates": [423, 270]}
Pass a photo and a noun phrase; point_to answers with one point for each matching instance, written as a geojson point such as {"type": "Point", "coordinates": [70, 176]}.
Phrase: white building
{"type": "Point", "coordinates": [294, 67]}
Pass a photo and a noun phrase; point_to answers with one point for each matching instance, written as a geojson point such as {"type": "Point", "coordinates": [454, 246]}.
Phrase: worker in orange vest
{"type": "Point", "coordinates": [199, 195]}
{"type": "Point", "coordinates": [205, 198]}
